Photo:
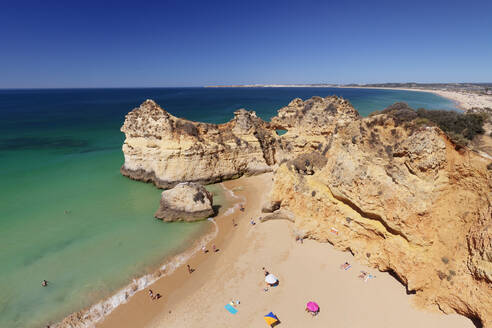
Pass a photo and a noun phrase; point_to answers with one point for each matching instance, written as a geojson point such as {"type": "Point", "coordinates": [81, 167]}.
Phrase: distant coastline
{"type": "Point", "coordinates": [464, 95]}
{"type": "Point", "coordinates": [319, 85]}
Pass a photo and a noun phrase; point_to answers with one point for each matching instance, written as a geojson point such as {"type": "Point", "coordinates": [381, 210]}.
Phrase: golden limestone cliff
{"type": "Point", "coordinates": [402, 201]}
{"type": "Point", "coordinates": [167, 150]}
{"type": "Point", "coordinates": [398, 196]}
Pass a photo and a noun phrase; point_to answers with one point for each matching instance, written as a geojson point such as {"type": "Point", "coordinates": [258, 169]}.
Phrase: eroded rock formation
{"type": "Point", "coordinates": [405, 202]}
{"type": "Point", "coordinates": [187, 201]}
{"type": "Point", "coordinates": [399, 196]}
{"type": "Point", "coordinates": [167, 150]}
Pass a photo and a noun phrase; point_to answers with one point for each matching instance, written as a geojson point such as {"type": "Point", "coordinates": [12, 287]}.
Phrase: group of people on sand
{"type": "Point", "coordinates": [272, 282]}
{"type": "Point", "coordinates": [154, 296]}
{"type": "Point", "coordinates": [363, 274]}
{"type": "Point", "coordinates": [234, 303]}
{"type": "Point", "coordinates": [253, 222]}
{"type": "Point", "coordinates": [205, 250]}
{"type": "Point", "coordinates": [311, 307]}
{"type": "Point", "coordinates": [311, 312]}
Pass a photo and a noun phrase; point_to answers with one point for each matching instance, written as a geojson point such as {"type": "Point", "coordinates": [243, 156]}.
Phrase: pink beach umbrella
{"type": "Point", "coordinates": [312, 306]}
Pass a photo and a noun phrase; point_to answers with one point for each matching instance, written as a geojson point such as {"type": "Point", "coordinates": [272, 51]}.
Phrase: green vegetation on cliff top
{"type": "Point", "coordinates": [460, 128]}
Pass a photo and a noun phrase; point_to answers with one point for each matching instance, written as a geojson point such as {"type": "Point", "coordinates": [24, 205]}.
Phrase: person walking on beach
{"type": "Point", "coordinates": [190, 270]}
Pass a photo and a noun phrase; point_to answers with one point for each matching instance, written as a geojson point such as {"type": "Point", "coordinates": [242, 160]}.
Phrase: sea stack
{"type": "Point", "coordinates": [187, 201]}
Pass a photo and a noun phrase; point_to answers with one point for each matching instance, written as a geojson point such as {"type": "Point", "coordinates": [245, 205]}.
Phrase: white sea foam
{"type": "Point", "coordinates": [237, 206]}
{"type": "Point", "coordinates": [231, 210]}
{"type": "Point", "coordinates": [232, 194]}
{"type": "Point", "coordinates": [88, 318]}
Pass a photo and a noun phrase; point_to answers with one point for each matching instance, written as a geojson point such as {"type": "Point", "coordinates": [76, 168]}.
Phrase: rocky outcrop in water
{"type": "Point", "coordinates": [187, 201]}
{"type": "Point", "coordinates": [396, 194]}
{"type": "Point", "coordinates": [166, 150]}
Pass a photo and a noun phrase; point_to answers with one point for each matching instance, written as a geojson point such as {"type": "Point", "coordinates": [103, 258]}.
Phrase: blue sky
{"type": "Point", "coordinates": [194, 43]}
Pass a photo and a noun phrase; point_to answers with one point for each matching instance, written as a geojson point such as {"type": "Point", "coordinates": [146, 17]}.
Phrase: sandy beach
{"type": "Point", "coordinates": [307, 272]}
{"type": "Point", "coordinates": [463, 100]}
{"type": "Point", "coordinates": [213, 164]}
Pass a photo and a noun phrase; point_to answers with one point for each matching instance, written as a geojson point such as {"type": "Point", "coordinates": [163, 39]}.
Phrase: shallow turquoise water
{"type": "Point", "coordinates": [107, 236]}
{"type": "Point", "coordinates": [66, 213]}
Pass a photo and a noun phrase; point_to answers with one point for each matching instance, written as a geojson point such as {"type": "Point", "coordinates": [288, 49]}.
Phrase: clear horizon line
{"type": "Point", "coordinates": [228, 84]}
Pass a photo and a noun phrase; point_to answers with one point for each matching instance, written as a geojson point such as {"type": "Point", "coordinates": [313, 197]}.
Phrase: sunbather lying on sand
{"type": "Point", "coordinates": [365, 276]}
{"type": "Point", "coordinates": [234, 302]}
{"type": "Point", "coordinates": [345, 266]}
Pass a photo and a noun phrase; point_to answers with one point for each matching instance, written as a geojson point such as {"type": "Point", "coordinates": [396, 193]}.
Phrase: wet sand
{"type": "Point", "coordinates": [307, 272]}
{"type": "Point", "coordinates": [140, 310]}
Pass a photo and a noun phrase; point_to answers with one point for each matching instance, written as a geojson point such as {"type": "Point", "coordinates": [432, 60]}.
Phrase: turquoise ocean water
{"type": "Point", "coordinates": [66, 213]}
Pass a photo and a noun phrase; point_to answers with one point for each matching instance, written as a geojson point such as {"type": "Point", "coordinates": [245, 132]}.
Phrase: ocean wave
{"type": "Point", "coordinates": [233, 194]}
{"type": "Point", "coordinates": [231, 210]}
{"type": "Point", "coordinates": [97, 312]}
{"type": "Point", "coordinates": [236, 206]}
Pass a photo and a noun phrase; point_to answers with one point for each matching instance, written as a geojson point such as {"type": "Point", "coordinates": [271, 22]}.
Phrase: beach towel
{"type": "Point", "coordinates": [345, 266]}
{"type": "Point", "coordinates": [230, 308]}
{"type": "Point", "coordinates": [271, 319]}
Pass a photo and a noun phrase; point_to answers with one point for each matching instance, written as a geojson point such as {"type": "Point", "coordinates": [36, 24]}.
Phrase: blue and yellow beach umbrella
{"type": "Point", "coordinates": [270, 318]}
